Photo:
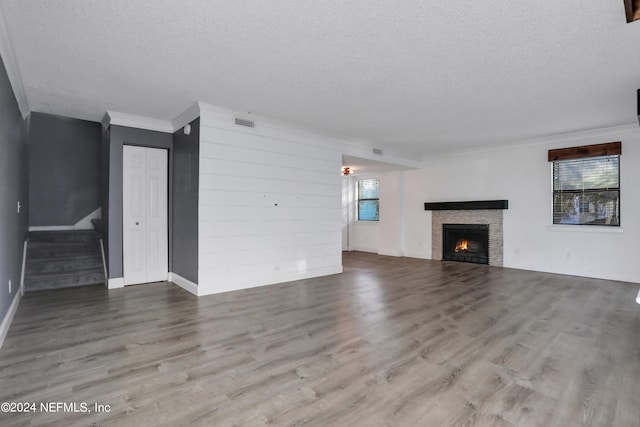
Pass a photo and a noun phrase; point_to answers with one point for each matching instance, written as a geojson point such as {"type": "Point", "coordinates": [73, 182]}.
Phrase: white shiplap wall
{"type": "Point", "coordinates": [269, 205]}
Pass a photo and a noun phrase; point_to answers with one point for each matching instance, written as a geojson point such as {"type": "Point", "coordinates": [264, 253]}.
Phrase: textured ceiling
{"type": "Point", "coordinates": [414, 77]}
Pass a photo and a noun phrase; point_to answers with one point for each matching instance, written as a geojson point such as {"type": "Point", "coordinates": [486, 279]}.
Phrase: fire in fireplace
{"type": "Point", "coordinates": [465, 243]}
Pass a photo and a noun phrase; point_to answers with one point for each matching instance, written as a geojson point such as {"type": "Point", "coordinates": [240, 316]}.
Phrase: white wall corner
{"type": "Point", "coordinates": [115, 283]}
{"type": "Point", "coordinates": [138, 122]}
{"type": "Point", "coordinates": [185, 284]}
{"type": "Point", "coordinates": [8, 318]}
{"type": "Point", "coordinates": [11, 65]}
{"type": "Point", "coordinates": [187, 117]}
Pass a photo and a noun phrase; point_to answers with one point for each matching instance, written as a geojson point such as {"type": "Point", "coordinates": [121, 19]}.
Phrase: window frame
{"type": "Point", "coordinates": [585, 191]}
{"type": "Point", "coordinates": [359, 199]}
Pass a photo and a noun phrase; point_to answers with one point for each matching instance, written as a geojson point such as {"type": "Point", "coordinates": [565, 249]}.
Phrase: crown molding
{"type": "Point", "coordinates": [139, 122]}
{"type": "Point", "coordinates": [187, 117]}
{"type": "Point", "coordinates": [347, 146]}
{"type": "Point", "coordinates": [560, 139]}
{"type": "Point", "coordinates": [11, 65]}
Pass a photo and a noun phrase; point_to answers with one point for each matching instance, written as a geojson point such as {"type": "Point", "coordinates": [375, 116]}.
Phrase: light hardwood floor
{"type": "Point", "coordinates": [391, 342]}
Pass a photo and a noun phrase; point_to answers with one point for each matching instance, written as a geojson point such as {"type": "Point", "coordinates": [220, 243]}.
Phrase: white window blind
{"type": "Point", "coordinates": [587, 191]}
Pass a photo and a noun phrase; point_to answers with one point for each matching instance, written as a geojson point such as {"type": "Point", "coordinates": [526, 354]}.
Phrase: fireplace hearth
{"type": "Point", "coordinates": [465, 243]}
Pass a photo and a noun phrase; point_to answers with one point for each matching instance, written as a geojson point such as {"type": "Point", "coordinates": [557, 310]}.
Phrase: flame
{"type": "Point", "coordinates": [462, 245]}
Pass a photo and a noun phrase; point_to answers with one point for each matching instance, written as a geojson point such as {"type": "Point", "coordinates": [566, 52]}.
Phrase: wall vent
{"type": "Point", "coordinates": [245, 123]}
{"type": "Point", "coordinates": [377, 151]}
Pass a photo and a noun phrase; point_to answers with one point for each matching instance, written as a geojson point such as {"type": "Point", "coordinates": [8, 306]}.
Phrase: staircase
{"type": "Point", "coordinates": [63, 259]}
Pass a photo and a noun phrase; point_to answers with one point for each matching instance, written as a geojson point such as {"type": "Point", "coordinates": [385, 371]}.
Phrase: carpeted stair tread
{"type": "Point", "coordinates": [63, 265]}
{"type": "Point", "coordinates": [40, 250]}
{"type": "Point", "coordinates": [63, 236]}
{"type": "Point", "coordinates": [86, 278]}
{"type": "Point", "coordinates": [62, 259]}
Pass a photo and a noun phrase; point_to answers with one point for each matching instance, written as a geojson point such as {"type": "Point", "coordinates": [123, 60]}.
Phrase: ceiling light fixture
{"type": "Point", "coordinates": [346, 171]}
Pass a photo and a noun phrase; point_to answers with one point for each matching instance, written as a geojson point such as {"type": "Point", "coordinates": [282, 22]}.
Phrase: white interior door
{"type": "Point", "coordinates": [144, 215]}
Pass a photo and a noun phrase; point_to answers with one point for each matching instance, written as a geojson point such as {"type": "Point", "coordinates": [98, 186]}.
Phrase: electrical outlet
{"type": "Point", "coordinates": [19, 206]}
{"type": "Point", "coordinates": [9, 285]}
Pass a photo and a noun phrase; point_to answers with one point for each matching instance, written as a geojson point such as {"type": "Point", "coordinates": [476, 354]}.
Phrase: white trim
{"type": "Point", "coordinates": [138, 122]}
{"type": "Point", "coordinates": [106, 121]}
{"type": "Point", "coordinates": [638, 297]}
{"type": "Point", "coordinates": [52, 228]}
{"type": "Point", "coordinates": [363, 249]}
{"type": "Point", "coordinates": [585, 228]}
{"type": "Point", "coordinates": [185, 284]}
{"type": "Point", "coordinates": [414, 254]}
{"type": "Point", "coordinates": [614, 132]}
{"type": "Point", "coordinates": [24, 266]}
{"type": "Point", "coordinates": [267, 126]}
{"type": "Point", "coordinates": [104, 265]}
{"type": "Point", "coordinates": [397, 253]}
{"type": "Point", "coordinates": [187, 117]}
{"type": "Point", "coordinates": [209, 289]}
{"type": "Point", "coordinates": [8, 318]}
{"type": "Point", "coordinates": [84, 224]}
{"type": "Point", "coordinates": [115, 283]}
{"type": "Point", "coordinates": [11, 65]}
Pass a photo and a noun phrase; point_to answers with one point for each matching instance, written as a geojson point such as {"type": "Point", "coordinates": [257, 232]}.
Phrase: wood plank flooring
{"type": "Point", "coordinates": [391, 342]}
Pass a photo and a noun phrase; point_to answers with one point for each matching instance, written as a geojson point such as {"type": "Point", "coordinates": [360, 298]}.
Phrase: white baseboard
{"type": "Point", "coordinates": [390, 253]}
{"type": "Point", "coordinates": [52, 228]}
{"type": "Point", "coordinates": [24, 266]}
{"type": "Point", "coordinates": [416, 254]}
{"type": "Point", "coordinates": [185, 284]}
{"type": "Point", "coordinates": [115, 283]}
{"type": "Point", "coordinates": [8, 318]}
{"type": "Point", "coordinates": [84, 224]}
{"type": "Point", "coordinates": [221, 285]}
{"type": "Point", "coordinates": [364, 249]}
{"type": "Point", "coordinates": [104, 265]}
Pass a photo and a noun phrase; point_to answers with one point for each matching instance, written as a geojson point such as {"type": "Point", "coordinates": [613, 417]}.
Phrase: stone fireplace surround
{"type": "Point", "coordinates": [465, 213]}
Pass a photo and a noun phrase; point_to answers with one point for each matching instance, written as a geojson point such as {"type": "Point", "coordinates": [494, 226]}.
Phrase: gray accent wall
{"type": "Point", "coordinates": [184, 203]}
{"type": "Point", "coordinates": [104, 190]}
{"type": "Point", "coordinates": [13, 189]}
{"type": "Point", "coordinates": [64, 169]}
{"type": "Point", "coordinates": [118, 137]}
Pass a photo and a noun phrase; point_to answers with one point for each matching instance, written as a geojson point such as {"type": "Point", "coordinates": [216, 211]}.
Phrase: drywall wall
{"type": "Point", "coordinates": [363, 235]}
{"type": "Point", "coordinates": [347, 210]}
{"type": "Point", "coordinates": [184, 203]}
{"type": "Point", "coordinates": [118, 137]}
{"type": "Point", "coordinates": [269, 205]}
{"type": "Point", "coordinates": [390, 230]}
{"type": "Point", "coordinates": [104, 189]}
{"type": "Point", "coordinates": [64, 169]}
{"type": "Point", "coordinates": [521, 174]}
{"type": "Point", "coordinates": [13, 190]}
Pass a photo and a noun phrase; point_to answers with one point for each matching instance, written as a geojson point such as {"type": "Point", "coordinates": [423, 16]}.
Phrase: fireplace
{"type": "Point", "coordinates": [465, 243]}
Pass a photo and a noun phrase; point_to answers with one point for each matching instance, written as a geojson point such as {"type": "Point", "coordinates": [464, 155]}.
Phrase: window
{"type": "Point", "coordinates": [586, 191]}
{"type": "Point", "coordinates": [368, 200]}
